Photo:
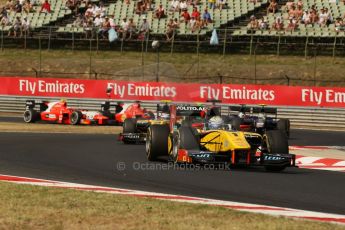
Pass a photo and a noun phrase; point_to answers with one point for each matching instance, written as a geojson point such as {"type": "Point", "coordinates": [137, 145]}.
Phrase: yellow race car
{"type": "Point", "coordinates": [192, 137]}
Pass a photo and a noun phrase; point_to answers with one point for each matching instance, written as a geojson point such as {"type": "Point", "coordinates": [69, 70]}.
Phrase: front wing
{"type": "Point", "coordinates": [208, 157]}
{"type": "Point", "coordinates": [132, 138]}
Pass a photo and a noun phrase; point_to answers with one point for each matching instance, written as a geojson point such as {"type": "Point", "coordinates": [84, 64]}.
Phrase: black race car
{"type": "Point", "coordinates": [257, 119]}
{"type": "Point", "coordinates": [134, 129]}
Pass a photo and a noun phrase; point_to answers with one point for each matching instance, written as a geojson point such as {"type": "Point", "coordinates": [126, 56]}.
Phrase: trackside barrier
{"type": "Point", "coordinates": [301, 117]}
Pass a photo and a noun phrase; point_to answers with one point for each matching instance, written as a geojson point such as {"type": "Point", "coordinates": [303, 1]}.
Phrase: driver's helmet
{"type": "Point", "coordinates": [216, 122]}
{"type": "Point", "coordinates": [63, 102]}
{"type": "Point", "coordinates": [241, 115]}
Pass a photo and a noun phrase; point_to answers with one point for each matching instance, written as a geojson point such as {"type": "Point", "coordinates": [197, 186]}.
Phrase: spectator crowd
{"type": "Point", "coordinates": [95, 19]}
{"type": "Point", "coordinates": [292, 16]}
{"type": "Point", "coordinates": [20, 25]}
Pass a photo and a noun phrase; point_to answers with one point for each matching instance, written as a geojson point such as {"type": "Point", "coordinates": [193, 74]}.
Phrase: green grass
{"type": "Point", "coordinates": [31, 207]}
{"type": "Point", "coordinates": [205, 68]}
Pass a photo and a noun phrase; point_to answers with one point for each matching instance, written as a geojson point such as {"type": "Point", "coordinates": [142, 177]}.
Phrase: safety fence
{"type": "Point", "coordinates": [300, 117]}
{"type": "Point", "coordinates": [229, 42]}
{"type": "Point", "coordinates": [140, 62]}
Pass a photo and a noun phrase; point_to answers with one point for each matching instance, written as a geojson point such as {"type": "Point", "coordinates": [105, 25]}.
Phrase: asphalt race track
{"type": "Point", "coordinates": [95, 159]}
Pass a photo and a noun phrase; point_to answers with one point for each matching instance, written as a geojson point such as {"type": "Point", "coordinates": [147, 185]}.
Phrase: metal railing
{"type": "Point", "coordinates": [196, 64]}
{"type": "Point", "coordinates": [49, 37]}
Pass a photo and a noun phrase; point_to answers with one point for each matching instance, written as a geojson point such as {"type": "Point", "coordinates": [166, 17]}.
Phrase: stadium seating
{"type": "Point", "coordinates": [39, 20]}
{"type": "Point", "coordinates": [337, 10]}
{"type": "Point", "coordinates": [236, 9]}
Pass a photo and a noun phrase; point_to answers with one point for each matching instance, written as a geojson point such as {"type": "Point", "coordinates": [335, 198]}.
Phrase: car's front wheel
{"type": "Point", "coordinates": [76, 117]}
{"type": "Point", "coordinates": [275, 142]}
{"type": "Point", "coordinates": [157, 141]}
{"type": "Point", "coordinates": [30, 116]}
{"type": "Point", "coordinates": [284, 126]}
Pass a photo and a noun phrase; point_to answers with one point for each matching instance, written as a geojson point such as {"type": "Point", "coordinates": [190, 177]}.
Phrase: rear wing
{"type": "Point", "coordinates": [190, 110]}
{"type": "Point", "coordinates": [186, 111]}
{"type": "Point", "coordinates": [105, 106]}
{"type": "Point", "coordinates": [31, 104]}
{"type": "Point", "coordinates": [267, 110]}
{"type": "Point", "coordinates": [252, 110]}
{"type": "Point", "coordinates": [163, 108]}
{"type": "Point", "coordinates": [240, 108]}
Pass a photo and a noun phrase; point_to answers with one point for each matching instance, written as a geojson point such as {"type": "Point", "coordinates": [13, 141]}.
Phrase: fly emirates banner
{"type": "Point", "coordinates": [183, 92]}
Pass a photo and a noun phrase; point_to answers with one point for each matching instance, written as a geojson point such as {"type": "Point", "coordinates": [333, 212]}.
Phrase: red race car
{"type": "Point", "coordinates": [132, 110]}
{"type": "Point", "coordinates": [58, 112]}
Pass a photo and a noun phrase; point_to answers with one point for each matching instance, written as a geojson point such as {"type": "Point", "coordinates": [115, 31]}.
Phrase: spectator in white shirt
{"type": "Point", "coordinates": [112, 21]}
{"type": "Point", "coordinates": [174, 5]}
{"type": "Point", "coordinates": [98, 21]}
{"type": "Point", "coordinates": [124, 28]}
{"type": "Point", "coordinates": [306, 17]}
{"type": "Point", "coordinates": [323, 17]}
{"type": "Point", "coordinates": [25, 27]}
{"type": "Point", "coordinates": [144, 29]}
{"type": "Point", "coordinates": [183, 5]}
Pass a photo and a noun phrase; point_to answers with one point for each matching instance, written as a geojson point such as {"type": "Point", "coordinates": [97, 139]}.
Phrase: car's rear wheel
{"type": "Point", "coordinates": [189, 139]}
{"type": "Point", "coordinates": [130, 125]}
{"type": "Point", "coordinates": [284, 126]}
{"type": "Point", "coordinates": [31, 116]}
{"type": "Point", "coordinates": [75, 117]}
{"type": "Point", "coordinates": [275, 141]}
{"type": "Point", "coordinates": [157, 141]}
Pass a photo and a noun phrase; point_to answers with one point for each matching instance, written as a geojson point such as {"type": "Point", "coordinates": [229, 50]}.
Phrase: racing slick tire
{"type": "Point", "coordinates": [284, 126]}
{"type": "Point", "coordinates": [30, 116]}
{"type": "Point", "coordinates": [188, 138]}
{"type": "Point", "coordinates": [186, 123]}
{"type": "Point", "coordinates": [75, 117]}
{"type": "Point", "coordinates": [130, 125]}
{"type": "Point", "coordinates": [276, 142]}
{"type": "Point", "coordinates": [157, 141]}
{"type": "Point", "coordinates": [235, 123]}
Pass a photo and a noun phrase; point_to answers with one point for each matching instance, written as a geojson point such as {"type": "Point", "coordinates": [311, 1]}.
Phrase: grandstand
{"type": "Point", "coordinates": [231, 23]}
{"type": "Point", "coordinates": [39, 20]}
{"type": "Point", "coordinates": [235, 10]}
{"type": "Point", "coordinates": [310, 30]}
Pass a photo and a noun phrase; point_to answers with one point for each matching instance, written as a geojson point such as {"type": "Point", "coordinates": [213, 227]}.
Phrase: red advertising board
{"type": "Point", "coordinates": [191, 92]}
